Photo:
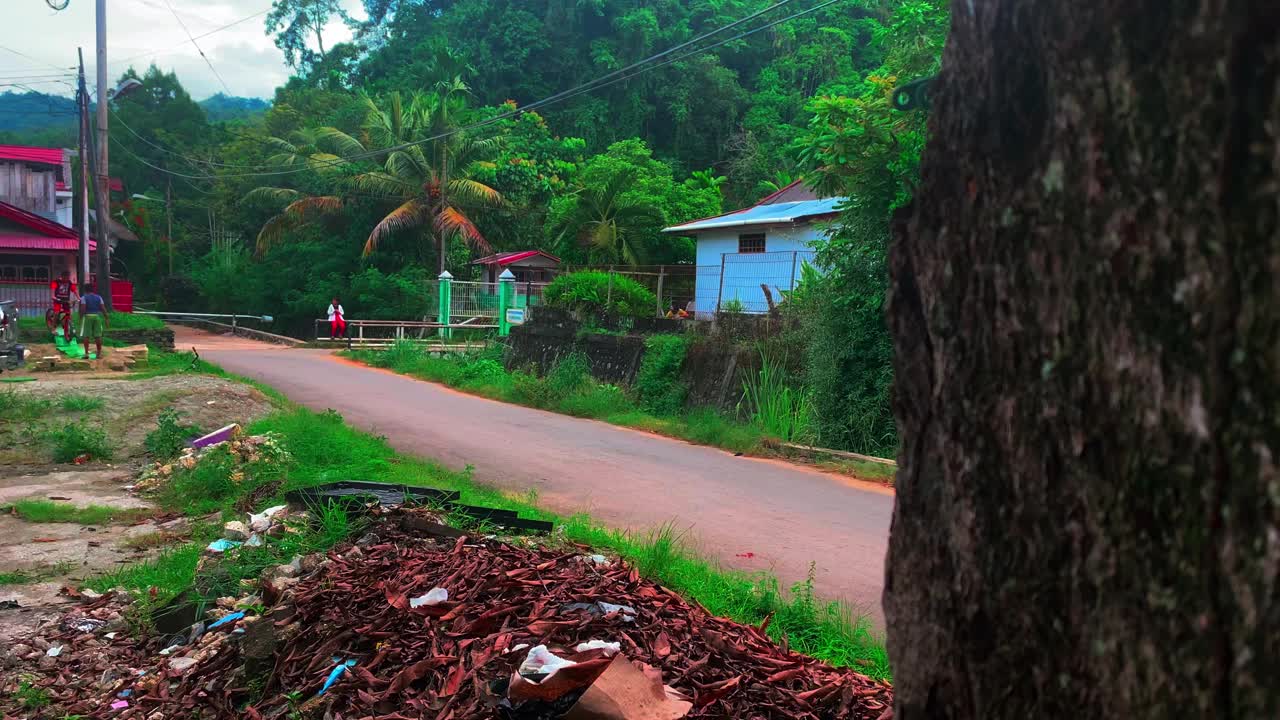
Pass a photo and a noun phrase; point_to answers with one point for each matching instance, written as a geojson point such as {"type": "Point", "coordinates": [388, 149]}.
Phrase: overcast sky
{"type": "Point", "coordinates": [246, 58]}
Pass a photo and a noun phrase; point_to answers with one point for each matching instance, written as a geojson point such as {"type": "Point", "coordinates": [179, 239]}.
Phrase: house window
{"type": "Point", "coordinates": [753, 243]}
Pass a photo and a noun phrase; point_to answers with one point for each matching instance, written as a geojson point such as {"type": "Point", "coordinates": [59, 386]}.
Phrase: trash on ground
{"type": "Point", "coordinates": [222, 434]}
{"type": "Point", "coordinates": [527, 633]}
{"type": "Point", "coordinates": [610, 648]}
{"type": "Point", "coordinates": [227, 619]}
{"type": "Point", "coordinates": [434, 596]}
{"type": "Point", "coordinates": [627, 692]}
{"type": "Point", "coordinates": [223, 545]}
{"type": "Point", "coordinates": [54, 651]}
{"type": "Point", "coordinates": [342, 667]}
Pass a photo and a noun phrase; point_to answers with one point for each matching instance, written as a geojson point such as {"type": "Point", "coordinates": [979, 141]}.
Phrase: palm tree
{"type": "Point", "coordinates": [604, 219]}
{"type": "Point", "coordinates": [426, 171]}
{"type": "Point", "coordinates": [780, 179]}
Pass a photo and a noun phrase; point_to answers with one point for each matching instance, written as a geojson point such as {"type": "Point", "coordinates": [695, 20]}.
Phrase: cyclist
{"type": "Point", "coordinates": [62, 289]}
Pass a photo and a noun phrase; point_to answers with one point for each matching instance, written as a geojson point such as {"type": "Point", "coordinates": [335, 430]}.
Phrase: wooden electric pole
{"type": "Point", "coordinates": [82, 200]}
{"type": "Point", "coordinates": [103, 196]}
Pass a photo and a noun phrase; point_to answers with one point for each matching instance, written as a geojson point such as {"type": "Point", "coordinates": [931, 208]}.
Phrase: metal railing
{"type": "Point", "coordinates": [383, 333]}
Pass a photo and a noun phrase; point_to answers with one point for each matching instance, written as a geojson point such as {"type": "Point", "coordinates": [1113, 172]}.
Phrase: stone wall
{"type": "Point", "coordinates": [714, 367]}
{"type": "Point", "coordinates": [161, 338]}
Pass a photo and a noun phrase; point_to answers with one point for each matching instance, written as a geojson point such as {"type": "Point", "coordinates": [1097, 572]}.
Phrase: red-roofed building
{"type": "Point", "coordinates": [38, 180]}
{"type": "Point", "coordinates": [33, 251]}
{"type": "Point", "coordinates": [527, 265]}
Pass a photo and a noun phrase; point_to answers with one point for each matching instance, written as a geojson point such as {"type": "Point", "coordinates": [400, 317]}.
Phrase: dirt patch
{"type": "Point", "coordinates": [43, 557]}
{"type": "Point", "coordinates": [128, 410]}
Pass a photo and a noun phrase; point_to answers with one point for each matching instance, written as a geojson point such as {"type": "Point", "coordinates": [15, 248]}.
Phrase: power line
{"type": "Point", "coordinates": [196, 162]}
{"type": "Point", "coordinates": [247, 18]}
{"type": "Point", "coordinates": [33, 59]}
{"type": "Point", "coordinates": [596, 84]}
{"type": "Point", "coordinates": [193, 42]}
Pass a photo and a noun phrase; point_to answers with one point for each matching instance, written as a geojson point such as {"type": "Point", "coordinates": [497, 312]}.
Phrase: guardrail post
{"type": "Point", "coordinates": [661, 276]}
{"type": "Point", "coordinates": [446, 304]}
{"type": "Point", "coordinates": [506, 296]}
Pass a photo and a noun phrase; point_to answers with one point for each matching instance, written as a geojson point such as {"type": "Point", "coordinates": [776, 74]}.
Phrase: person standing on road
{"type": "Point", "coordinates": [337, 320]}
{"type": "Point", "coordinates": [93, 319]}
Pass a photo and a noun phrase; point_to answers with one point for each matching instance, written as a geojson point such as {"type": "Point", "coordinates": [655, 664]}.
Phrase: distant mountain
{"type": "Point", "coordinates": [32, 111]}
{"type": "Point", "coordinates": [222, 107]}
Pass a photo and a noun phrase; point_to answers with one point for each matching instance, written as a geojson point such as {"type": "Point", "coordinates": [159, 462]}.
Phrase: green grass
{"type": "Point", "coordinates": [30, 696]}
{"type": "Point", "coordinates": [19, 406]}
{"type": "Point", "coordinates": [80, 403]}
{"type": "Point", "coordinates": [22, 577]}
{"type": "Point", "coordinates": [48, 511]}
{"type": "Point", "coordinates": [78, 439]}
{"type": "Point", "coordinates": [323, 448]}
{"type": "Point", "coordinates": [33, 327]}
{"type": "Point", "coordinates": [567, 389]}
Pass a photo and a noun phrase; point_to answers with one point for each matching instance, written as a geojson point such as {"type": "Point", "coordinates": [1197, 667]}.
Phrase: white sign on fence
{"type": "Point", "coordinates": [515, 316]}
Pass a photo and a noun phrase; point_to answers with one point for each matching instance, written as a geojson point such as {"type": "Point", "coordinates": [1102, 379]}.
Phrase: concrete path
{"type": "Point", "coordinates": [750, 514]}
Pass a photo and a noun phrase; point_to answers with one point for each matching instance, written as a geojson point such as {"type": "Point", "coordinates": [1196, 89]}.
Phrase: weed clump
{"type": "Point", "coordinates": [170, 436]}
{"type": "Point", "coordinates": [80, 441]}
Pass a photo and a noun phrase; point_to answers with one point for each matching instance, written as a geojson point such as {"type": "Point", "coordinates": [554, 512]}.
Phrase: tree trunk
{"type": "Point", "coordinates": [1087, 357]}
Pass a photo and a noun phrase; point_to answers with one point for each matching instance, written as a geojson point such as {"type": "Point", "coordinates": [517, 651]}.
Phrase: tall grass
{"type": "Point", "coordinates": [569, 388]}
{"type": "Point", "coordinates": [772, 403]}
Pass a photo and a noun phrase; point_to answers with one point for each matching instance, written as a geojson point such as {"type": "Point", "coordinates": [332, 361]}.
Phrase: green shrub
{"type": "Point", "coordinates": [771, 402]}
{"type": "Point", "coordinates": [77, 439]}
{"type": "Point", "coordinates": [402, 353]}
{"type": "Point", "coordinates": [479, 371]}
{"type": "Point", "coordinates": [529, 389]}
{"type": "Point", "coordinates": [733, 306]}
{"type": "Point", "coordinates": [170, 436]}
{"type": "Point", "coordinates": [593, 292]}
{"type": "Point", "coordinates": [570, 374]}
{"type": "Point", "coordinates": [658, 383]}
{"type": "Point", "coordinates": [598, 401]}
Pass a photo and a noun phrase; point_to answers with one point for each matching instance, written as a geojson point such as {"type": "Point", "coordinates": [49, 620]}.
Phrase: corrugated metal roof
{"type": "Point", "coordinates": [26, 153]}
{"type": "Point", "coordinates": [28, 242]}
{"type": "Point", "coordinates": [771, 214]}
{"type": "Point", "coordinates": [507, 258]}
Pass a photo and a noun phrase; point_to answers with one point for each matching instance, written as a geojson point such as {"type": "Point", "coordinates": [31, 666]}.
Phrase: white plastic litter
{"type": "Point", "coordinates": [610, 648]}
{"type": "Point", "coordinates": [261, 522]}
{"type": "Point", "coordinates": [255, 540]}
{"type": "Point", "coordinates": [434, 596]}
{"type": "Point", "coordinates": [627, 612]}
{"type": "Point", "coordinates": [182, 664]}
{"type": "Point", "coordinates": [598, 559]}
{"type": "Point", "coordinates": [54, 651]}
{"type": "Point", "coordinates": [541, 661]}
{"type": "Point", "coordinates": [517, 648]}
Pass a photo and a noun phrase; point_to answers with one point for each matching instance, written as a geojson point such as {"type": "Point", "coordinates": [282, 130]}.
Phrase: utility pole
{"type": "Point", "coordinates": [103, 177]}
{"type": "Point", "coordinates": [168, 212]}
{"type": "Point", "coordinates": [82, 201]}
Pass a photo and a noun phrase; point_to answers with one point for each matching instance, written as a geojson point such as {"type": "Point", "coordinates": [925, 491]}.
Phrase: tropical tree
{"type": "Point", "coordinates": [427, 171]}
{"type": "Point", "coordinates": [294, 21]}
{"type": "Point", "coordinates": [609, 222]}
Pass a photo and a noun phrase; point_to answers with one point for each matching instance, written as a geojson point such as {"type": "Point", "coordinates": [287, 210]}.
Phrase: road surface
{"type": "Point", "coordinates": [750, 514]}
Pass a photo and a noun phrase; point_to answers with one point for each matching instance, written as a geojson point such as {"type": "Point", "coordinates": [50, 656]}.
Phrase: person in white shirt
{"type": "Point", "coordinates": [337, 320]}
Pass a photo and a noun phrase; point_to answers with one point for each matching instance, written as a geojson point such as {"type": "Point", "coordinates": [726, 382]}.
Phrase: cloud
{"type": "Point", "coordinates": [142, 31]}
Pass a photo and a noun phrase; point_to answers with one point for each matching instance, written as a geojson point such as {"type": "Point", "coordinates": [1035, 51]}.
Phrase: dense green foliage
{"type": "Point", "coordinates": [275, 212]}
{"type": "Point", "coordinates": [594, 293]}
{"type": "Point", "coordinates": [656, 403]}
{"type": "Point", "coordinates": [658, 384]}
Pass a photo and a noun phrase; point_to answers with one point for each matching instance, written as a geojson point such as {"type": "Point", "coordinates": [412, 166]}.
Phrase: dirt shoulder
{"type": "Point", "coordinates": [37, 557]}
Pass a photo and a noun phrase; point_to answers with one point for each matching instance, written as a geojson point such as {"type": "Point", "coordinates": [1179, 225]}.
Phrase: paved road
{"type": "Point", "coordinates": [751, 514]}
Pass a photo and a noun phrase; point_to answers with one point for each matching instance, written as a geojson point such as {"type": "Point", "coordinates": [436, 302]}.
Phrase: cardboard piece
{"type": "Point", "coordinates": [626, 692]}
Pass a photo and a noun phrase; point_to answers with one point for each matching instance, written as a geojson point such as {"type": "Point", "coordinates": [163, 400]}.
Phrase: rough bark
{"type": "Point", "coordinates": [1087, 356]}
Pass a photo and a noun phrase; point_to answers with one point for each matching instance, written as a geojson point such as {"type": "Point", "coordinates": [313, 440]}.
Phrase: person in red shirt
{"type": "Point", "coordinates": [62, 290]}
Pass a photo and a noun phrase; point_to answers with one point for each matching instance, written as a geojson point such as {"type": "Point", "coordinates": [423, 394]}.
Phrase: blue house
{"type": "Point", "coordinates": [763, 246]}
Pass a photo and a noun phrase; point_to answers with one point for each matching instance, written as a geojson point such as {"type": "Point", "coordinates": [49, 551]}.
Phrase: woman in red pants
{"type": "Point", "coordinates": [337, 324]}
